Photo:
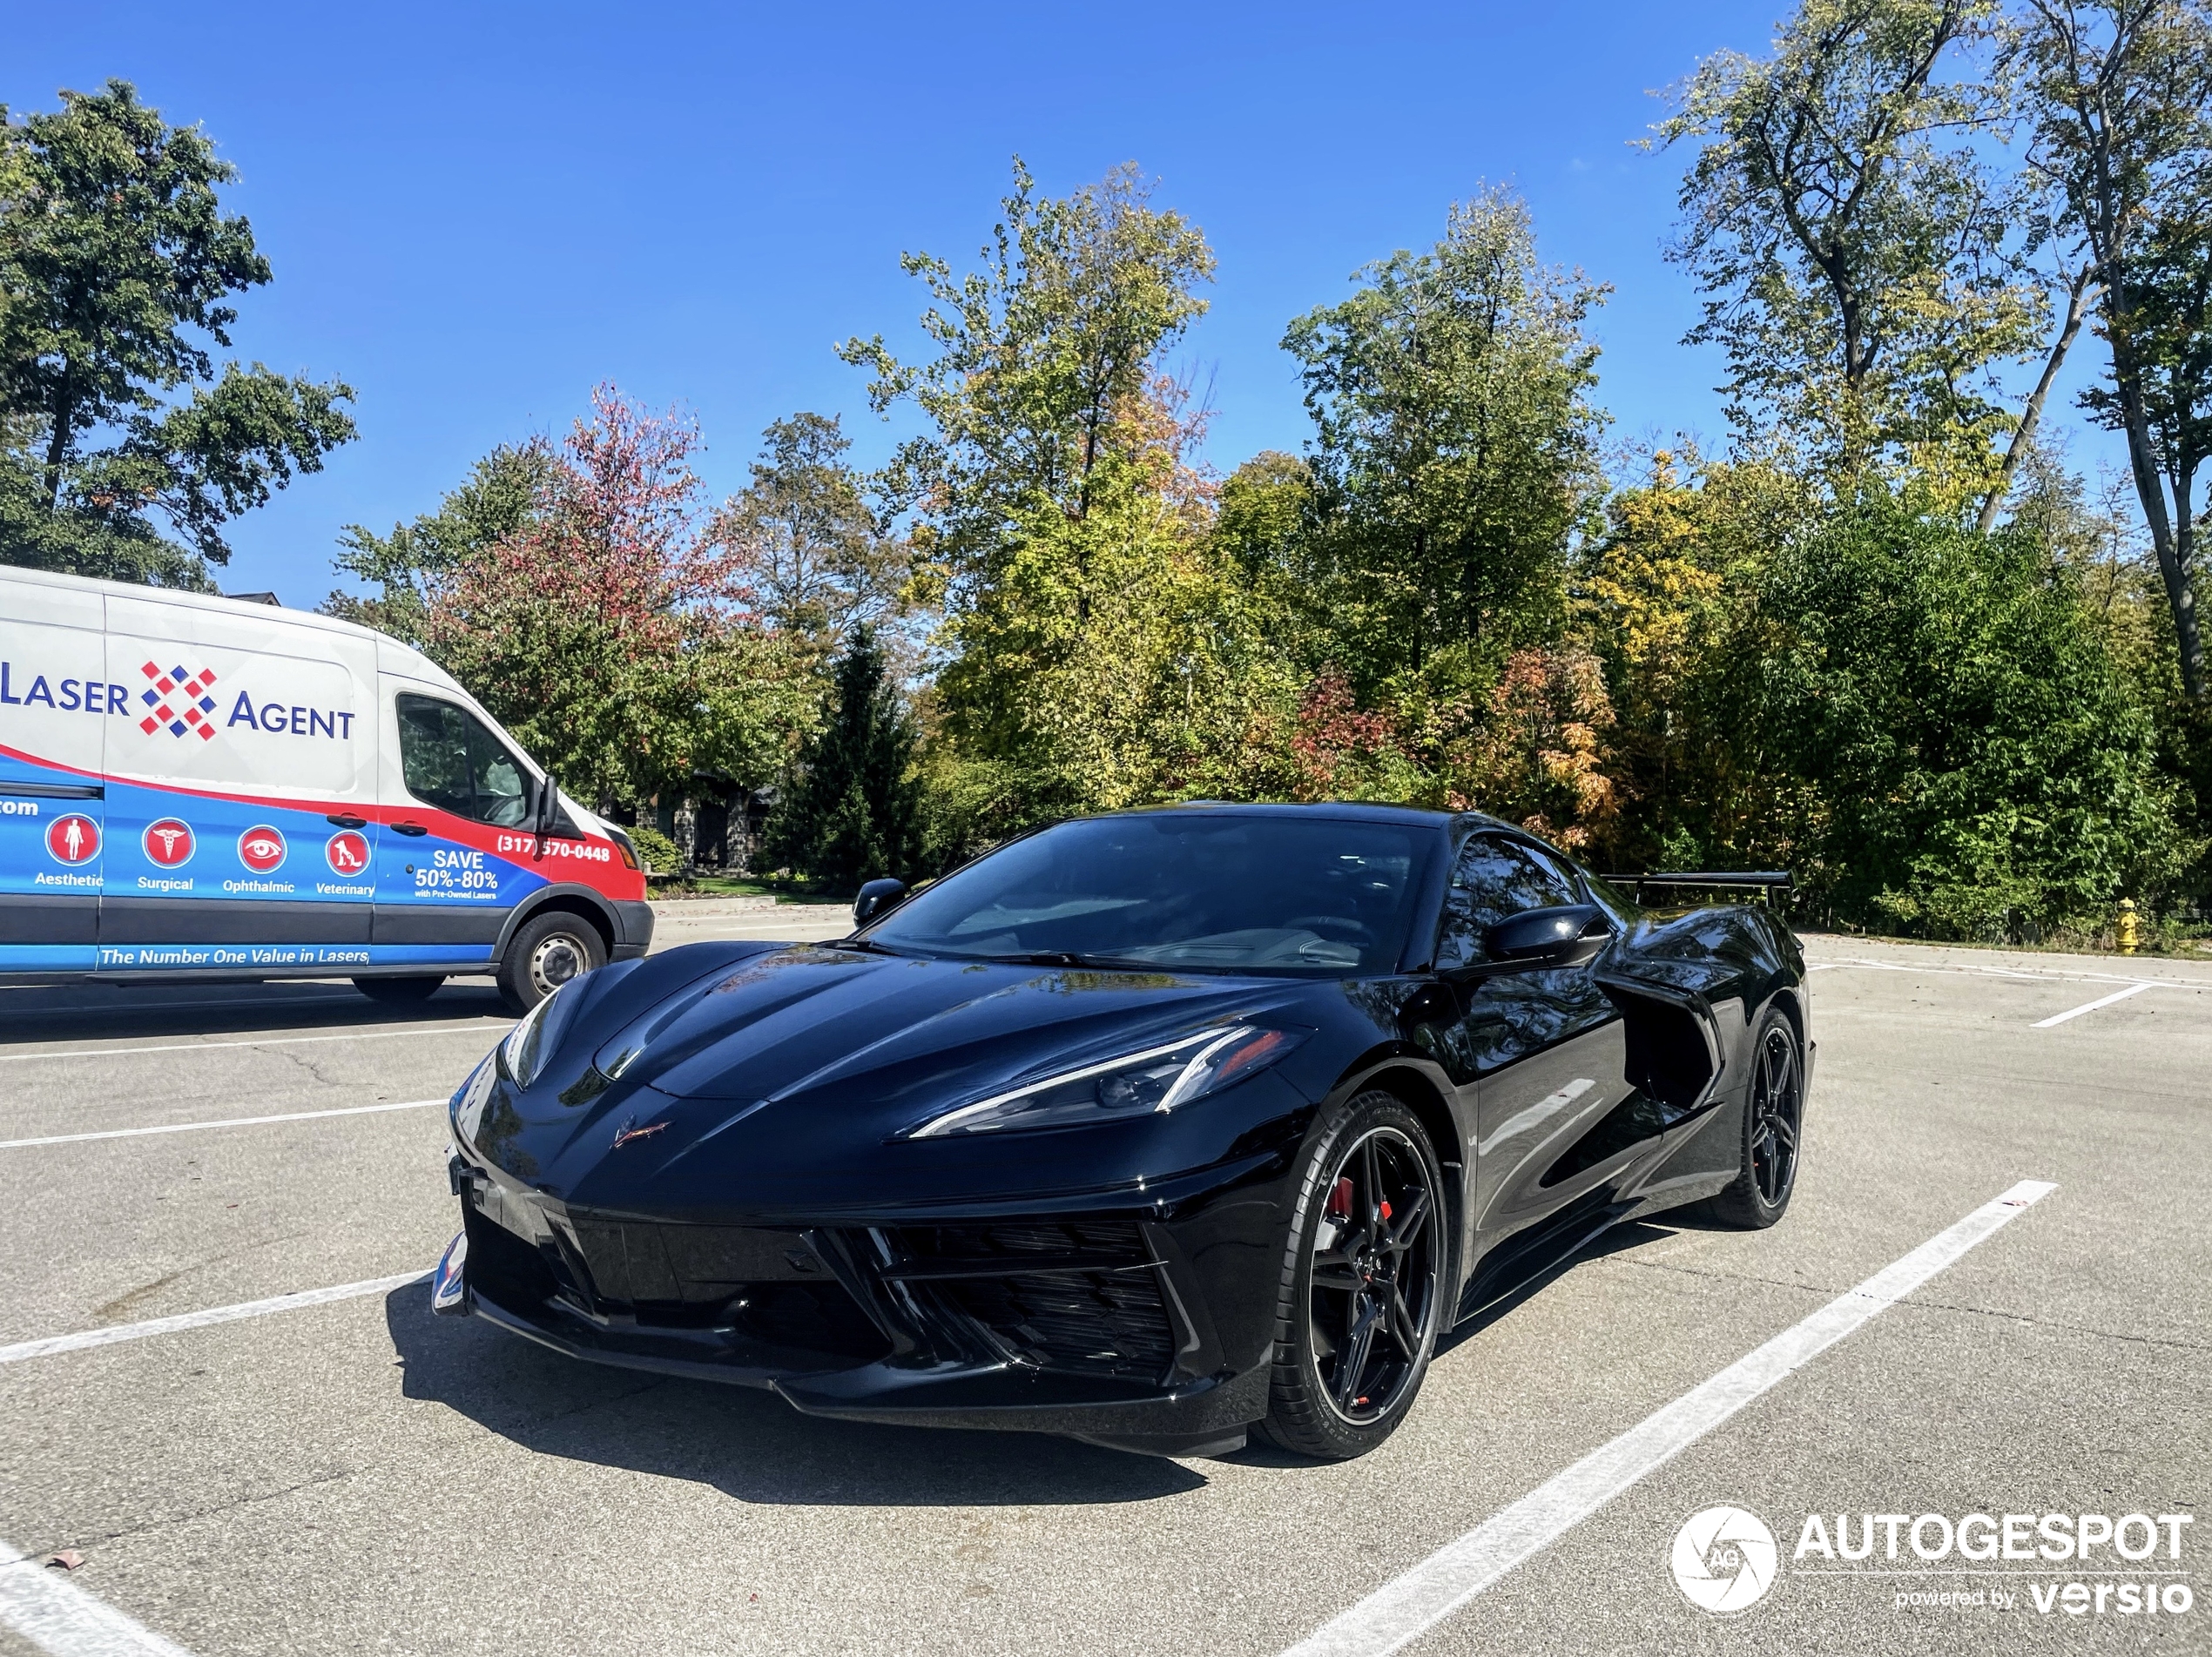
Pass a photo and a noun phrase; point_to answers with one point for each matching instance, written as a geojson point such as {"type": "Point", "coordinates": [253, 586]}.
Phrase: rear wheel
{"type": "Point", "coordinates": [398, 991]}
{"type": "Point", "coordinates": [546, 952]}
{"type": "Point", "coordinates": [1774, 1114]}
{"type": "Point", "coordinates": [1361, 1290]}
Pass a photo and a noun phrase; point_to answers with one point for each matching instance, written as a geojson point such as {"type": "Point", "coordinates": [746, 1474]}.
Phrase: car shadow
{"type": "Point", "coordinates": [94, 1012]}
{"type": "Point", "coordinates": [745, 1442]}
{"type": "Point", "coordinates": [1618, 1240]}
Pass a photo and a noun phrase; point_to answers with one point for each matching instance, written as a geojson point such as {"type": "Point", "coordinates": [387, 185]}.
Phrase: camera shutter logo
{"type": "Point", "coordinates": [1724, 1559]}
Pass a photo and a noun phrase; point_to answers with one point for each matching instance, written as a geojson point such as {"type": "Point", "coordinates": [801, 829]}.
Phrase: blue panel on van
{"type": "Point", "coordinates": [46, 958]}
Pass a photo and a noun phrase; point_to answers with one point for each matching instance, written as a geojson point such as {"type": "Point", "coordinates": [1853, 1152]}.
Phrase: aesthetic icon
{"type": "Point", "coordinates": [1724, 1559]}
{"type": "Point", "coordinates": [347, 853]}
{"type": "Point", "coordinates": [168, 843]}
{"type": "Point", "coordinates": [74, 838]}
{"type": "Point", "coordinates": [261, 848]}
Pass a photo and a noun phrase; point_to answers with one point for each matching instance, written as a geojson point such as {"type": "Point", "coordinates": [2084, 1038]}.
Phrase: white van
{"type": "Point", "coordinates": [204, 787]}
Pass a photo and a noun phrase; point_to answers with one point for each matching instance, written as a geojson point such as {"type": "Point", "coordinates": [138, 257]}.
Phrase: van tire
{"type": "Point", "coordinates": [546, 951]}
{"type": "Point", "coordinates": [399, 990]}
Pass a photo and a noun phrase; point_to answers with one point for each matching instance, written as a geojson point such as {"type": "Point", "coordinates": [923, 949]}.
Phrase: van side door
{"type": "Point", "coordinates": [457, 848]}
{"type": "Point", "coordinates": [55, 697]}
{"type": "Point", "coordinates": [241, 792]}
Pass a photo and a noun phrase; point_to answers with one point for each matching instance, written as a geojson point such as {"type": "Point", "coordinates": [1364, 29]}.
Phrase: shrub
{"type": "Point", "coordinates": [655, 850]}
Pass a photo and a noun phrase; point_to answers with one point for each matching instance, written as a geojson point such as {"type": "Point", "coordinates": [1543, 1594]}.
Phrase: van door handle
{"type": "Point", "coordinates": [410, 828]}
{"type": "Point", "coordinates": [346, 820]}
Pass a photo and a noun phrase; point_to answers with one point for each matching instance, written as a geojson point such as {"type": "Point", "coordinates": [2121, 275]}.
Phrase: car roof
{"type": "Point", "coordinates": [1341, 810]}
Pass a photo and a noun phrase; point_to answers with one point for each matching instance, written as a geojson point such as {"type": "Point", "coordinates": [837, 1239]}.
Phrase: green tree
{"type": "Point", "coordinates": [1453, 454]}
{"type": "Point", "coordinates": [821, 562]}
{"type": "Point", "coordinates": [1858, 259]}
{"type": "Point", "coordinates": [1039, 356]}
{"type": "Point", "coordinates": [1096, 650]}
{"type": "Point", "coordinates": [1262, 511]}
{"type": "Point", "coordinates": [851, 812]}
{"type": "Point", "coordinates": [498, 501]}
{"type": "Point", "coordinates": [1968, 757]}
{"type": "Point", "coordinates": [1667, 593]}
{"type": "Point", "coordinates": [116, 265]}
{"type": "Point", "coordinates": [2119, 101]}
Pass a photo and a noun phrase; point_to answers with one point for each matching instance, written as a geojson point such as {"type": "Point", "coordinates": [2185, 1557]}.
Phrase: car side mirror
{"type": "Point", "coordinates": [545, 810]}
{"type": "Point", "coordinates": [876, 897]}
{"type": "Point", "coordinates": [1566, 936]}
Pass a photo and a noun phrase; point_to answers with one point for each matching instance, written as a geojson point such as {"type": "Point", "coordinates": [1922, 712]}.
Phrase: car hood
{"type": "Point", "coordinates": [789, 1064]}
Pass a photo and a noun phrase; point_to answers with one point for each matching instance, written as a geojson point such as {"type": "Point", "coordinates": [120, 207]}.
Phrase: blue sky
{"type": "Point", "coordinates": [476, 212]}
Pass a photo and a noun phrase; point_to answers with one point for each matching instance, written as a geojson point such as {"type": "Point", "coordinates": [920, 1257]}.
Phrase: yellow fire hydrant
{"type": "Point", "coordinates": [2128, 939]}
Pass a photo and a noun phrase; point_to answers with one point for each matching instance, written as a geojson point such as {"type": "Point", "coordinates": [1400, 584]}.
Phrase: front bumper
{"type": "Point", "coordinates": [634, 929]}
{"type": "Point", "coordinates": [1144, 1325]}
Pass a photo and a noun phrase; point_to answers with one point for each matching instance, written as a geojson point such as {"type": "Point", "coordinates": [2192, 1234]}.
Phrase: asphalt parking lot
{"type": "Point", "coordinates": [354, 1475]}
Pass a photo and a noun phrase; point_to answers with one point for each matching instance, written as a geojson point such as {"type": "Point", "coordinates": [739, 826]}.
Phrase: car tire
{"type": "Point", "coordinates": [1370, 1214]}
{"type": "Point", "coordinates": [1773, 1129]}
{"type": "Point", "coordinates": [399, 992]}
{"type": "Point", "coordinates": [545, 953]}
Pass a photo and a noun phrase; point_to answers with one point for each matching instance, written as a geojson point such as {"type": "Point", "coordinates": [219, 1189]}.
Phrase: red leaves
{"type": "Point", "coordinates": [1334, 739]}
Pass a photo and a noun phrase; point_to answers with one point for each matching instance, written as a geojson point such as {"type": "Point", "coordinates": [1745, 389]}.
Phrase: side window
{"type": "Point", "coordinates": [1495, 878]}
{"type": "Point", "coordinates": [501, 793]}
{"type": "Point", "coordinates": [450, 760]}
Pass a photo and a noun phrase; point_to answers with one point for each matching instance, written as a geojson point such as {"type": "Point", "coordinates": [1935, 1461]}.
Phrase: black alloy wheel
{"type": "Point", "coordinates": [1362, 1284]}
{"type": "Point", "coordinates": [1773, 1129]}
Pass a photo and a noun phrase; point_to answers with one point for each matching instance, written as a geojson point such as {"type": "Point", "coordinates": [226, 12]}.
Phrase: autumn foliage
{"type": "Point", "coordinates": [609, 629]}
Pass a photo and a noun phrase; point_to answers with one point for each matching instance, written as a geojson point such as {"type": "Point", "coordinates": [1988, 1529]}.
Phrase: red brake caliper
{"type": "Point", "coordinates": [1340, 1199]}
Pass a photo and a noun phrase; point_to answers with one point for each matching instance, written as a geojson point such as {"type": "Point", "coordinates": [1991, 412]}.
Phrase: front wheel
{"type": "Point", "coordinates": [1774, 1118]}
{"type": "Point", "coordinates": [546, 952]}
{"type": "Point", "coordinates": [1362, 1285]}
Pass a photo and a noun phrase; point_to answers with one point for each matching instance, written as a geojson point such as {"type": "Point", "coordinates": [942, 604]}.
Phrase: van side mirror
{"type": "Point", "coordinates": [1566, 936]}
{"type": "Point", "coordinates": [875, 898]}
{"type": "Point", "coordinates": [546, 810]}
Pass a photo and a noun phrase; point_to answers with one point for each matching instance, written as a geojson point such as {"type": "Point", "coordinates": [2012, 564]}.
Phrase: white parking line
{"type": "Point", "coordinates": [2041, 976]}
{"type": "Point", "coordinates": [57, 1616]}
{"type": "Point", "coordinates": [115, 1333]}
{"type": "Point", "coordinates": [472, 1026]}
{"type": "Point", "coordinates": [203, 1127]}
{"type": "Point", "coordinates": [1401, 1610]}
{"type": "Point", "coordinates": [2091, 1007]}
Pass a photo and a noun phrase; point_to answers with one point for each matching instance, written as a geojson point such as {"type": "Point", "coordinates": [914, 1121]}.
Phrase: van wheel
{"type": "Point", "coordinates": [549, 950]}
{"type": "Point", "coordinates": [398, 991]}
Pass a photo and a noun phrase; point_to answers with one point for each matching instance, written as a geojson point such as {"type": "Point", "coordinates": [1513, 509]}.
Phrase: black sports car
{"type": "Point", "coordinates": [1149, 1129]}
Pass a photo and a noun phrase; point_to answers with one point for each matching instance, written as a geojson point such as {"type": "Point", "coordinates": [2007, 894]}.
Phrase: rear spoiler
{"type": "Point", "coordinates": [1766, 880]}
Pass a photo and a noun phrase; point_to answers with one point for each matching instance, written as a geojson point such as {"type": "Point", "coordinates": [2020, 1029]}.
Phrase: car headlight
{"type": "Point", "coordinates": [532, 1042]}
{"type": "Point", "coordinates": [1136, 1084]}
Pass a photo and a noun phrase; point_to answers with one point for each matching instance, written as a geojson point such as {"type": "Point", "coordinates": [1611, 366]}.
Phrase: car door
{"type": "Point", "coordinates": [457, 808]}
{"type": "Point", "coordinates": [1543, 1044]}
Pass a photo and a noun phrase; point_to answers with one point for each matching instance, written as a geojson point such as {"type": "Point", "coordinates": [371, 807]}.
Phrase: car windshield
{"type": "Point", "coordinates": [1195, 892]}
